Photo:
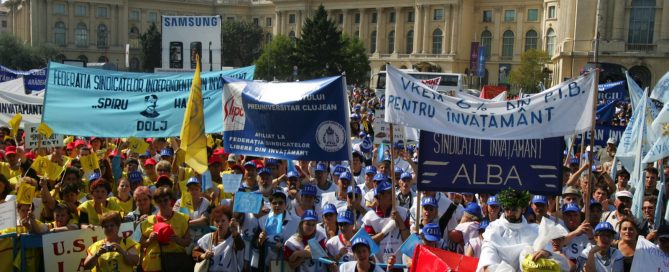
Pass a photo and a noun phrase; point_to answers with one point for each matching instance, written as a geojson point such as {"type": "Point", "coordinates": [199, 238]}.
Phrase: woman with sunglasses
{"type": "Point", "coordinates": [339, 247]}
{"type": "Point", "coordinates": [297, 251]}
{"type": "Point", "coordinates": [273, 234]}
{"type": "Point", "coordinates": [114, 253]}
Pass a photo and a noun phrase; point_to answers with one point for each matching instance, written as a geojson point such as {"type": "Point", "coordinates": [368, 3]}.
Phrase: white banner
{"type": "Point", "coordinates": [565, 109]}
{"type": "Point", "coordinates": [649, 257]}
{"type": "Point", "coordinates": [66, 251]}
{"type": "Point", "coordinates": [8, 215]}
{"type": "Point", "coordinates": [432, 83]}
{"type": "Point", "coordinates": [13, 100]}
{"type": "Point", "coordinates": [33, 137]}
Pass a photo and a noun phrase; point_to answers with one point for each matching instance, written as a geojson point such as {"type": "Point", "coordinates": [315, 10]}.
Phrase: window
{"type": "Point", "coordinates": [374, 15]}
{"type": "Point", "coordinates": [391, 41]}
{"type": "Point", "coordinates": [291, 18]}
{"type": "Point", "coordinates": [153, 16]}
{"type": "Point", "coordinates": [103, 36]}
{"type": "Point", "coordinates": [391, 18]}
{"type": "Point", "coordinates": [268, 21]}
{"type": "Point", "coordinates": [507, 44]}
{"type": "Point", "coordinates": [487, 16]}
{"type": "Point", "coordinates": [340, 18]}
{"type": "Point", "coordinates": [437, 37]}
{"type": "Point", "coordinates": [292, 37]}
{"type": "Point", "coordinates": [59, 34]}
{"type": "Point", "coordinates": [134, 64]}
{"type": "Point", "coordinates": [409, 42]}
{"type": "Point", "coordinates": [372, 43]}
{"type": "Point", "coordinates": [268, 37]}
{"type": "Point", "coordinates": [411, 17]}
{"type": "Point", "coordinates": [551, 12]}
{"type": "Point", "coordinates": [531, 40]}
{"type": "Point", "coordinates": [509, 16]}
{"type": "Point", "coordinates": [550, 41]}
{"type": "Point", "coordinates": [4, 23]}
{"type": "Point", "coordinates": [59, 9]}
{"type": "Point", "coordinates": [134, 15]}
{"type": "Point", "coordinates": [486, 41]}
{"type": "Point", "coordinates": [256, 21]}
{"type": "Point", "coordinates": [438, 14]}
{"type": "Point", "coordinates": [357, 18]}
{"type": "Point", "coordinates": [532, 15]}
{"type": "Point", "coordinates": [80, 10]}
{"type": "Point", "coordinates": [133, 37]}
{"type": "Point", "coordinates": [81, 35]}
{"type": "Point", "coordinates": [642, 22]}
{"type": "Point", "coordinates": [101, 12]}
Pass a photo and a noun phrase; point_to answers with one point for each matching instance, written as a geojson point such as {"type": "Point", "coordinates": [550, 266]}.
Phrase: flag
{"type": "Point", "coordinates": [193, 139]}
{"type": "Point", "coordinates": [660, 129]}
{"type": "Point", "coordinates": [661, 90]}
{"type": "Point", "coordinates": [137, 145]}
{"type": "Point", "coordinates": [634, 90]}
{"type": "Point", "coordinates": [605, 112]}
{"type": "Point", "coordinates": [14, 124]}
{"type": "Point", "coordinates": [44, 130]}
{"type": "Point", "coordinates": [362, 233]}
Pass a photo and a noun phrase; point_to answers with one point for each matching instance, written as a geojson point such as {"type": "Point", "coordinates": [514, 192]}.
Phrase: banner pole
{"type": "Point", "coordinates": [419, 209]}
{"type": "Point", "coordinates": [571, 147]}
{"type": "Point", "coordinates": [595, 100]}
{"type": "Point", "coordinates": [392, 166]}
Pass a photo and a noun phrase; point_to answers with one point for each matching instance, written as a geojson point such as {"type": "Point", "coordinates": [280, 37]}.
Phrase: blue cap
{"type": "Point", "coordinates": [370, 169]}
{"type": "Point", "coordinates": [355, 116]}
{"type": "Point", "coordinates": [570, 207]}
{"type": "Point", "coordinates": [398, 170]}
{"type": "Point", "coordinates": [192, 180]}
{"type": "Point", "coordinates": [431, 232]}
{"type": "Point", "coordinates": [359, 241]}
{"type": "Point", "coordinates": [338, 169]}
{"type": "Point", "coordinates": [574, 160]}
{"type": "Point", "coordinates": [484, 224]}
{"type": "Point", "coordinates": [492, 200]}
{"type": "Point", "coordinates": [309, 215]}
{"type": "Point", "coordinates": [594, 202]}
{"type": "Point", "coordinates": [474, 209]}
{"type": "Point", "coordinates": [345, 217]}
{"type": "Point", "coordinates": [399, 145]}
{"type": "Point", "coordinates": [94, 176]}
{"type": "Point", "coordinates": [292, 174]}
{"type": "Point", "coordinates": [357, 107]}
{"type": "Point", "coordinates": [329, 208]}
{"type": "Point", "coordinates": [346, 175]}
{"type": "Point", "coordinates": [250, 164]}
{"type": "Point", "coordinates": [604, 226]}
{"type": "Point", "coordinates": [467, 193]}
{"type": "Point", "coordinates": [351, 188]}
{"type": "Point", "coordinates": [135, 177]}
{"type": "Point", "coordinates": [167, 152]}
{"type": "Point", "coordinates": [539, 199]}
{"type": "Point", "coordinates": [320, 167]}
{"type": "Point", "coordinates": [382, 187]}
{"type": "Point", "coordinates": [362, 134]}
{"type": "Point", "coordinates": [429, 201]}
{"type": "Point", "coordinates": [264, 170]}
{"type": "Point", "coordinates": [308, 190]}
{"type": "Point", "coordinates": [380, 177]}
{"type": "Point", "coordinates": [271, 161]}
{"type": "Point", "coordinates": [281, 193]}
{"type": "Point", "coordinates": [145, 154]}
{"type": "Point", "coordinates": [406, 175]}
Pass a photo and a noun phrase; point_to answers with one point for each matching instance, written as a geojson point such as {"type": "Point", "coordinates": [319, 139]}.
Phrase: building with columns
{"type": "Point", "coordinates": [405, 33]}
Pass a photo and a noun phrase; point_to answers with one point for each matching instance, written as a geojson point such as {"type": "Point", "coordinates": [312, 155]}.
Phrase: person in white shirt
{"type": "Point", "coordinates": [339, 246]}
{"type": "Point", "coordinates": [338, 197]}
{"type": "Point", "coordinates": [225, 246]}
{"type": "Point", "coordinates": [387, 226]}
{"type": "Point", "coordinates": [272, 237]}
{"type": "Point", "coordinates": [362, 252]}
{"type": "Point", "coordinates": [368, 184]}
{"type": "Point", "coordinates": [328, 226]}
{"type": "Point", "coordinates": [297, 251]}
{"type": "Point", "coordinates": [601, 256]}
{"type": "Point", "coordinates": [198, 224]}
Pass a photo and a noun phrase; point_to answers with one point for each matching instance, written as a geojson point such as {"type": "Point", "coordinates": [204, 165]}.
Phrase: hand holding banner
{"type": "Point", "coordinates": [247, 202]}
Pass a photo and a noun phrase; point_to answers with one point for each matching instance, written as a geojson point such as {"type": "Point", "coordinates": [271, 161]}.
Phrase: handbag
{"type": "Point", "coordinates": [203, 266]}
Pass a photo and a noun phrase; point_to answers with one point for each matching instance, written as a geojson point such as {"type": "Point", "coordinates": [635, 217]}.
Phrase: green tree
{"type": "Point", "coordinates": [240, 42]}
{"type": "Point", "coordinates": [15, 54]}
{"type": "Point", "coordinates": [320, 47]}
{"type": "Point", "coordinates": [277, 60]}
{"type": "Point", "coordinates": [151, 44]}
{"type": "Point", "coordinates": [529, 73]}
{"type": "Point", "coordinates": [356, 62]}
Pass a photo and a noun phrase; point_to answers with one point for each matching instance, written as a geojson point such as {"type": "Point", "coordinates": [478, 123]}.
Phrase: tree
{"type": "Point", "coordinates": [356, 62]}
{"type": "Point", "coordinates": [320, 48]}
{"type": "Point", "coordinates": [15, 54]}
{"type": "Point", "coordinates": [240, 42]}
{"type": "Point", "coordinates": [277, 60]}
{"type": "Point", "coordinates": [151, 45]}
{"type": "Point", "coordinates": [529, 73]}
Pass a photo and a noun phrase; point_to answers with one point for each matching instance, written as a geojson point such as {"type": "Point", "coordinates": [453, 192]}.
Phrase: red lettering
{"type": "Point", "coordinates": [81, 265]}
{"type": "Point", "coordinates": [231, 110]}
{"type": "Point", "coordinates": [60, 267]}
{"type": "Point", "coordinates": [79, 245]}
{"type": "Point", "coordinates": [58, 250]}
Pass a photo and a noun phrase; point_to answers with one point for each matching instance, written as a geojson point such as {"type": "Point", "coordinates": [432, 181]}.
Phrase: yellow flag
{"type": "Point", "coordinates": [137, 145]}
{"type": "Point", "coordinates": [193, 139]}
{"type": "Point", "coordinates": [44, 130]}
{"type": "Point", "coordinates": [210, 140]}
{"type": "Point", "coordinates": [68, 140]}
{"type": "Point", "coordinates": [14, 124]}
{"type": "Point", "coordinates": [25, 193]}
{"type": "Point", "coordinates": [89, 162]}
{"type": "Point", "coordinates": [40, 165]}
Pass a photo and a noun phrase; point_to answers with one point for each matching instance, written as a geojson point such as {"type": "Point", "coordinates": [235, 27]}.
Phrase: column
{"type": "Point", "coordinates": [399, 29]}
{"type": "Point", "coordinates": [664, 26]}
{"type": "Point", "coordinates": [619, 21]}
{"type": "Point", "coordinates": [346, 26]}
{"type": "Point", "coordinates": [362, 35]}
{"type": "Point", "coordinates": [454, 30]}
{"type": "Point", "coordinates": [380, 31]}
{"type": "Point", "coordinates": [298, 24]}
{"type": "Point", "coordinates": [275, 26]}
{"type": "Point", "coordinates": [447, 24]}
{"type": "Point", "coordinates": [426, 26]}
{"type": "Point", "coordinates": [417, 29]}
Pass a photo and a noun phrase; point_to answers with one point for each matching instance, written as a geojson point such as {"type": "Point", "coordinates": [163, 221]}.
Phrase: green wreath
{"type": "Point", "coordinates": [511, 198]}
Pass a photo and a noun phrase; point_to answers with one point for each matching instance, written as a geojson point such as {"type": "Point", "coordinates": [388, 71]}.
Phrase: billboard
{"type": "Point", "coordinates": [187, 36]}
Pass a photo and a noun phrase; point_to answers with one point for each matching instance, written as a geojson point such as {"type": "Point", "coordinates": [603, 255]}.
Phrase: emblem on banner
{"type": "Point", "coordinates": [330, 136]}
{"type": "Point", "coordinates": [150, 110]}
{"type": "Point", "coordinates": [233, 108]}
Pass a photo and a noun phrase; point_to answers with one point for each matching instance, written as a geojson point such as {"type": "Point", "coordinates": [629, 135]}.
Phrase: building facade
{"type": "Point", "coordinates": [4, 23]}
{"type": "Point", "coordinates": [405, 33]}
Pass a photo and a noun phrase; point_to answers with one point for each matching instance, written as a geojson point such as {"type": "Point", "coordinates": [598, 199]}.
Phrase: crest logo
{"type": "Point", "coordinates": [233, 108]}
{"type": "Point", "coordinates": [331, 136]}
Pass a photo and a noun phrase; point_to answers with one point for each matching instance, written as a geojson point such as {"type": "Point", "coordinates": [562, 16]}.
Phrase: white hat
{"type": "Point", "coordinates": [611, 141]}
{"type": "Point", "coordinates": [623, 194]}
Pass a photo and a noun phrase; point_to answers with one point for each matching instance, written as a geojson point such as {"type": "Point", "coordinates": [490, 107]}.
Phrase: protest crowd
{"type": "Point", "coordinates": [315, 215]}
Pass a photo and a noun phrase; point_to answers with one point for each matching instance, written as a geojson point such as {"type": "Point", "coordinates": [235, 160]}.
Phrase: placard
{"type": "Point", "coordinates": [8, 215]}
{"type": "Point", "coordinates": [247, 202]}
{"type": "Point", "coordinates": [231, 182]}
{"type": "Point", "coordinates": [33, 137]}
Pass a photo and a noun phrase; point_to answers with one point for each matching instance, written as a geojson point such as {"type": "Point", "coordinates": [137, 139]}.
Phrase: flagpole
{"type": "Point", "coordinates": [571, 147]}
{"type": "Point", "coordinates": [594, 111]}
{"type": "Point", "coordinates": [392, 166]}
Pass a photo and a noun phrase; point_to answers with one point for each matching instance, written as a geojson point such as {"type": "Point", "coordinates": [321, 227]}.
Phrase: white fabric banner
{"type": "Point", "coordinates": [466, 96]}
{"type": "Point", "coordinates": [649, 257]}
{"type": "Point", "coordinates": [13, 100]}
{"type": "Point", "coordinates": [565, 109]}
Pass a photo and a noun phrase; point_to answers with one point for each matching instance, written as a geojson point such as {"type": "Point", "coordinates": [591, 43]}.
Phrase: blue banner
{"type": "Point", "coordinates": [602, 134]}
{"type": "Point", "coordinates": [613, 91]}
{"type": "Point", "coordinates": [91, 102]}
{"type": "Point", "coordinates": [454, 164]}
{"type": "Point", "coordinates": [34, 80]}
{"type": "Point", "coordinates": [298, 120]}
{"type": "Point", "coordinates": [481, 67]}
{"type": "Point", "coordinates": [606, 112]}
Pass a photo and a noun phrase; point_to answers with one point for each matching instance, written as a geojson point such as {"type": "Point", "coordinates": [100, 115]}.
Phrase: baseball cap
{"type": "Point", "coordinates": [359, 242]}
{"type": "Point", "coordinates": [10, 150]}
{"type": "Point", "coordinates": [355, 116]}
{"type": "Point", "coordinates": [329, 208]}
{"type": "Point", "coordinates": [219, 151]}
{"type": "Point", "coordinates": [79, 142]}
{"type": "Point", "coordinates": [380, 177]}
{"type": "Point", "coordinates": [135, 177]}
{"type": "Point", "coordinates": [539, 199]}
{"type": "Point", "coordinates": [604, 226]}
{"type": "Point", "coordinates": [69, 146]}
{"type": "Point", "coordinates": [320, 167]}
{"type": "Point", "coordinates": [406, 175]}
{"type": "Point", "coordinates": [398, 145]}
{"type": "Point", "coordinates": [431, 232]}
{"type": "Point", "coordinates": [611, 140]}
{"type": "Point", "coordinates": [94, 176]}
{"type": "Point", "coordinates": [570, 207]}
{"type": "Point", "coordinates": [215, 159]}
{"type": "Point", "coordinates": [345, 217]}
{"type": "Point", "coordinates": [264, 170]}
{"type": "Point", "coordinates": [166, 152]}
{"type": "Point", "coordinates": [574, 160]}
{"type": "Point", "coordinates": [271, 161]}
{"type": "Point", "coordinates": [280, 193]}
{"type": "Point", "coordinates": [492, 200]}
{"type": "Point", "coordinates": [429, 201]}
{"type": "Point", "coordinates": [370, 169]}
{"type": "Point", "coordinates": [362, 134]}
{"type": "Point", "coordinates": [484, 224]}
{"type": "Point", "coordinates": [249, 164]}
{"type": "Point", "coordinates": [338, 169]}
{"type": "Point", "coordinates": [164, 180]}
{"type": "Point", "coordinates": [350, 189]}
{"type": "Point", "coordinates": [292, 174]}
{"type": "Point", "coordinates": [467, 193]}
{"type": "Point", "coordinates": [346, 176]}
{"type": "Point", "coordinates": [620, 194]}
{"type": "Point", "coordinates": [398, 170]}
{"type": "Point", "coordinates": [594, 202]}
{"type": "Point", "coordinates": [382, 187]}
{"type": "Point", "coordinates": [192, 180]}
{"type": "Point", "coordinates": [309, 215]}
{"type": "Point", "coordinates": [149, 161]}
{"type": "Point", "coordinates": [308, 190]}
{"type": "Point", "coordinates": [233, 158]}
{"type": "Point", "coordinates": [473, 209]}
{"type": "Point", "coordinates": [146, 154]}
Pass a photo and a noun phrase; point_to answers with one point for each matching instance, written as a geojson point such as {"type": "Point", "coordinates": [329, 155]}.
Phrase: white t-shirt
{"type": "Point", "coordinates": [444, 203]}
{"type": "Point", "coordinates": [289, 227]}
{"type": "Point", "coordinates": [392, 242]}
{"type": "Point", "coordinates": [335, 244]}
{"type": "Point", "coordinates": [320, 192]}
{"type": "Point", "coordinates": [332, 198]}
{"type": "Point", "coordinates": [310, 265]}
{"type": "Point", "coordinates": [575, 247]}
{"type": "Point", "coordinates": [350, 267]}
{"type": "Point", "coordinates": [614, 262]}
{"type": "Point", "coordinates": [225, 258]}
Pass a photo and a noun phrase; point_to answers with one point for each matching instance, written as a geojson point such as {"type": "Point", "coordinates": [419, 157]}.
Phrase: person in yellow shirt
{"type": "Point", "coordinates": [12, 167]}
{"type": "Point", "coordinates": [90, 210]}
{"type": "Point", "coordinates": [173, 249]}
{"type": "Point", "coordinates": [63, 220]}
{"type": "Point", "coordinates": [114, 253]}
{"type": "Point", "coordinates": [123, 198]}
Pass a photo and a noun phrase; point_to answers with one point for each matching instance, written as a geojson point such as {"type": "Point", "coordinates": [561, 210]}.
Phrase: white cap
{"type": "Point", "coordinates": [611, 141]}
{"type": "Point", "coordinates": [623, 194]}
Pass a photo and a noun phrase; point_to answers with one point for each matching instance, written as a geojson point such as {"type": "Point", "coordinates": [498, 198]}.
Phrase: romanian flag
{"type": "Point", "coordinates": [14, 124]}
{"type": "Point", "coordinates": [193, 138]}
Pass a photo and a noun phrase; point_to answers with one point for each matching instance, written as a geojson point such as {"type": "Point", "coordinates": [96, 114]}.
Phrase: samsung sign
{"type": "Point", "coordinates": [184, 37]}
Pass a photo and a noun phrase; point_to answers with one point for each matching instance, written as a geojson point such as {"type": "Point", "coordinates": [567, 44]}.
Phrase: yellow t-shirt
{"type": "Point", "coordinates": [93, 217]}
{"type": "Point", "coordinates": [179, 223]}
{"type": "Point", "coordinates": [111, 261]}
{"type": "Point", "coordinates": [126, 206]}
{"type": "Point", "coordinates": [6, 171]}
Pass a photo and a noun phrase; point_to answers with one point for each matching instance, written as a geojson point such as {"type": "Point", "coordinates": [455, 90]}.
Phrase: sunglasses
{"type": "Point", "coordinates": [278, 203]}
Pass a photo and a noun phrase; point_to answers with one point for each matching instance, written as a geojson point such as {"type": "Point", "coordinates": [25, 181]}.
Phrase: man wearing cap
{"type": "Point", "coordinates": [362, 252]}
{"type": "Point", "coordinates": [447, 213]}
{"type": "Point", "coordinates": [250, 182]}
{"type": "Point", "coordinates": [306, 199]}
{"type": "Point", "coordinates": [601, 256]}
{"type": "Point", "coordinates": [388, 227]}
{"type": "Point", "coordinates": [272, 240]}
{"type": "Point", "coordinates": [338, 198]}
{"type": "Point", "coordinates": [494, 210]}
{"type": "Point", "coordinates": [404, 194]}
{"type": "Point", "coordinates": [339, 246]}
{"type": "Point", "coordinates": [369, 184]}
{"type": "Point", "coordinates": [540, 209]}
{"type": "Point", "coordinates": [369, 196]}
{"type": "Point", "coordinates": [571, 194]}
{"type": "Point", "coordinates": [623, 204]}
{"type": "Point", "coordinates": [431, 236]}
{"type": "Point", "coordinates": [607, 154]}
{"type": "Point", "coordinates": [297, 251]}
{"type": "Point", "coordinates": [579, 234]}
{"type": "Point", "coordinates": [328, 224]}
{"type": "Point", "coordinates": [11, 168]}
{"type": "Point", "coordinates": [322, 184]}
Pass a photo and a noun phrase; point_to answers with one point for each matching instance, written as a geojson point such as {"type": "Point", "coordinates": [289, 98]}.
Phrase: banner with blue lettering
{"type": "Point", "coordinates": [34, 80]}
{"type": "Point", "coordinates": [454, 164]}
{"type": "Point", "coordinates": [296, 120]}
{"type": "Point", "coordinates": [613, 91]}
{"type": "Point", "coordinates": [606, 112]}
{"type": "Point", "coordinates": [602, 134]}
{"type": "Point", "coordinates": [564, 109]}
{"type": "Point", "coordinates": [92, 102]}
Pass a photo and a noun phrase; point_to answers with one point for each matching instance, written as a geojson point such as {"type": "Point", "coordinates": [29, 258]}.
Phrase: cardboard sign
{"type": "Point", "coordinates": [8, 215]}
{"type": "Point", "coordinates": [33, 137]}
